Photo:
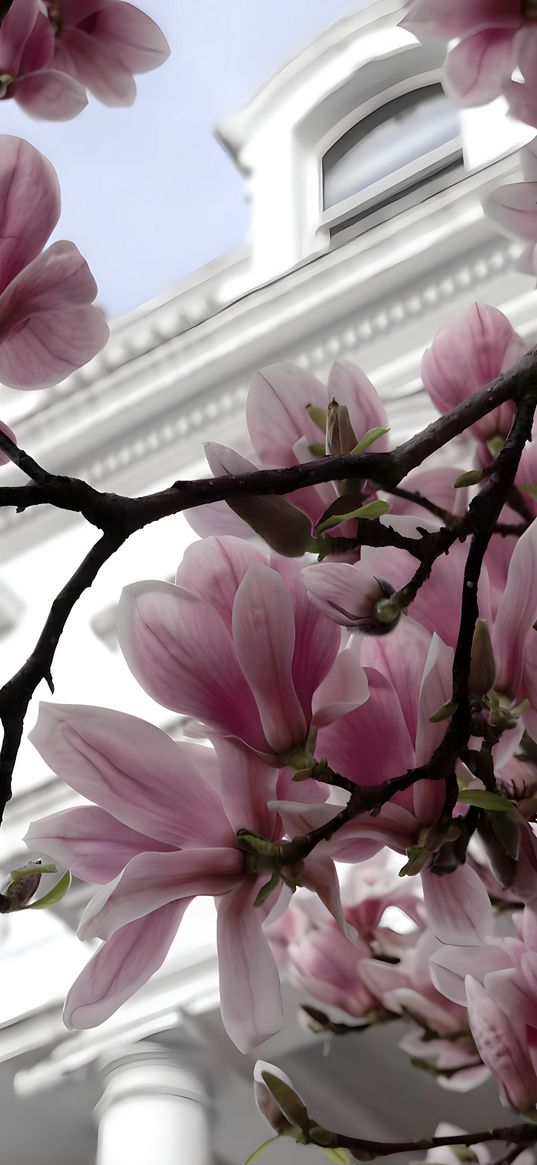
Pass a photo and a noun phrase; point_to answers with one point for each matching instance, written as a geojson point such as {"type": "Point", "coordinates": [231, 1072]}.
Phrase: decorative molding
{"type": "Point", "coordinates": [393, 314]}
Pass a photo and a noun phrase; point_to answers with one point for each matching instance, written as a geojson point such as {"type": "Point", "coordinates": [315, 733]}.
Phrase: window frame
{"type": "Point", "coordinates": [404, 178]}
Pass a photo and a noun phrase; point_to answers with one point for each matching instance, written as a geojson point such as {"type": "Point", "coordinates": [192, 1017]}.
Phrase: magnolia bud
{"type": "Point", "coordinates": [349, 596]}
{"type": "Point", "coordinates": [22, 886]}
{"type": "Point", "coordinates": [482, 665]}
{"type": "Point", "coordinates": [277, 1100]}
{"type": "Point", "coordinates": [340, 435]}
{"type": "Point", "coordinates": [286, 529]}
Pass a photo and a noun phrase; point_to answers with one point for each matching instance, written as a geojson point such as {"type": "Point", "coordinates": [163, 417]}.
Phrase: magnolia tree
{"type": "Point", "coordinates": [354, 634]}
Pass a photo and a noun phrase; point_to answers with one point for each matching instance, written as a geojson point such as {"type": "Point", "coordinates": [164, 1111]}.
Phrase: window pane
{"type": "Point", "coordinates": [401, 131]}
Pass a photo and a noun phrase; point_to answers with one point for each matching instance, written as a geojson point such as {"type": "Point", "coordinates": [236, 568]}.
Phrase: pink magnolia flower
{"type": "Point", "coordinates": [237, 644]}
{"type": "Point", "coordinates": [27, 70]}
{"type": "Point", "coordinates": [103, 43]}
{"type": "Point", "coordinates": [468, 353]}
{"type": "Point", "coordinates": [495, 39]}
{"type": "Point", "coordinates": [48, 324]}
{"type": "Point", "coordinates": [163, 830]}
{"type": "Point", "coordinates": [283, 401]}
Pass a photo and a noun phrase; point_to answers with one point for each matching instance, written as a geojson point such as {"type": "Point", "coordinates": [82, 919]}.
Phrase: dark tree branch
{"type": "Point", "coordinates": [520, 1135]}
{"type": "Point", "coordinates": [16, 694]}
{"type": "Point", "coordinates": [385, 469]}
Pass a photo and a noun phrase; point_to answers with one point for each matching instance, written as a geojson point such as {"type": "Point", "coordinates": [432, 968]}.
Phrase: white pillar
{"type": "Point", "coordinates": [153, 1109]}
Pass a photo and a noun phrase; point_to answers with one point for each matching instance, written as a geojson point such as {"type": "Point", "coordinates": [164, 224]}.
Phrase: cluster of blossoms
{"type": "Point", "coordinates": [310, 678]}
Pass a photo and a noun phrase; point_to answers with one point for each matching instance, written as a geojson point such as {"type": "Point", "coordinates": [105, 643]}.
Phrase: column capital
{"type": "Point", "coordinates": [149, 1069]}
{"type": "Point", "coordinates": [154, 1105]}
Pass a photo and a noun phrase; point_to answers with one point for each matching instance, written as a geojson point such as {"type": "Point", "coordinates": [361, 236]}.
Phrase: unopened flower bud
{"type": "Point", "coordinates": [482, 665]}
{"type": "Point", "coordinates": [286, 529]}
{"type": "Point", "coordinates": [277, 1100]}
{"type": "Point", "coordinates": [22, 885]}
{"type": "Point", "coordinates": [340, 435]}
{"type": "Point", "coordinates": [349, 596]}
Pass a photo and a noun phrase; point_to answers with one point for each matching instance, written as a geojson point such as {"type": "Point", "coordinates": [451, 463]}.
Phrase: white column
{"type": "Point", "coordinates": [153, 1109]}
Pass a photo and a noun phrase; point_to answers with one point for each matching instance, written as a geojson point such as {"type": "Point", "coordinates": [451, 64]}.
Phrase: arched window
{"type": "Point", "coordinates": [396, 147]}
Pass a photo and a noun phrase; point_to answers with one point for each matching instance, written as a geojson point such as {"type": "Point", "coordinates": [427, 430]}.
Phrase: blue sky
{"type": "Point", "coordinates": [148, 195]}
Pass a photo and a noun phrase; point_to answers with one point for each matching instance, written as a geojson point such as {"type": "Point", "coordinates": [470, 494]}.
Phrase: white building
{"type": "Point", "coordinates": [366, 234]}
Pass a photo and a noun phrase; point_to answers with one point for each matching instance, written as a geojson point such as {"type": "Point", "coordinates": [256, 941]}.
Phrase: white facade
{"type": "Point", "coordinates": [368, 278]}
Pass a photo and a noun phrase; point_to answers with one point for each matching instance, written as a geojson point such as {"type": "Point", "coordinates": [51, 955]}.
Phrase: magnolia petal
{"type": "Point", "coordinates": [466, 354]}
{"type": "Point", "coordinates": [217, 520]}
{"type": "Point", "coordinates": [274, 518]}
{"type": "Point", "coordinates": [276, 411]}
{"type": "Point", "coordinates": [95, 63]}
{"type": "Point", "coordinates": [501, 1045]}
{"type": "Point", "coordinates": [49, 94]}
{"type": "Point", "coordinates": [89, 842]}
{"type": "Point", "coordinates": [250, 997]}
{"type": "Point", "coordinates": [343, 593]}
{"type": "Point", "coordinates": [17, 29]}
{"type": "Point", "coordinates": [319, 874]}
{"type": "Point", "coordinates": [214, 568]}
{"type": "Point", "coordinates": [264, 637]}
{"type": "Point", "coordinates": [450, 966]}
{"type": "Point", "coordinates": [458, 907]}
{"type": "Point", "coordinates": [517, 612]}
{"type": "Point", "coordinates": [29, 205]}
{"type": "Point", "coordinates": [435, 485]}
{"type": "Point", "coordinates": [479, 65]}
{"type": "Point", "coordinates": [344, 689]}
{"type": "Point", "coordinates": [317, 640]}
{"type": "Point", "coordinates": [511, 993]}
{"type": "Point", "coordinates": [48, 326]}
{"type": "Point", "coordinates": [247, 785]}
{"type": "Point", "coordinates": [371, 743]}
{"type": "Point", "coordinates": [180, 651]}
{"type": "Point", "coordinates": [436, 689]}
{"type": "Point", "coordinates": [121, 966]}
{"type": "Point", "coordinates": [436, 18]}
{"type": "Point", "coordinates": [400, 656]}
{"type": "Point", "coordinates": [131, 35]}
{"type": "Point", "coordinates": [151, 880]}
{"type": "Point", "coordinates": [133, 771]}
